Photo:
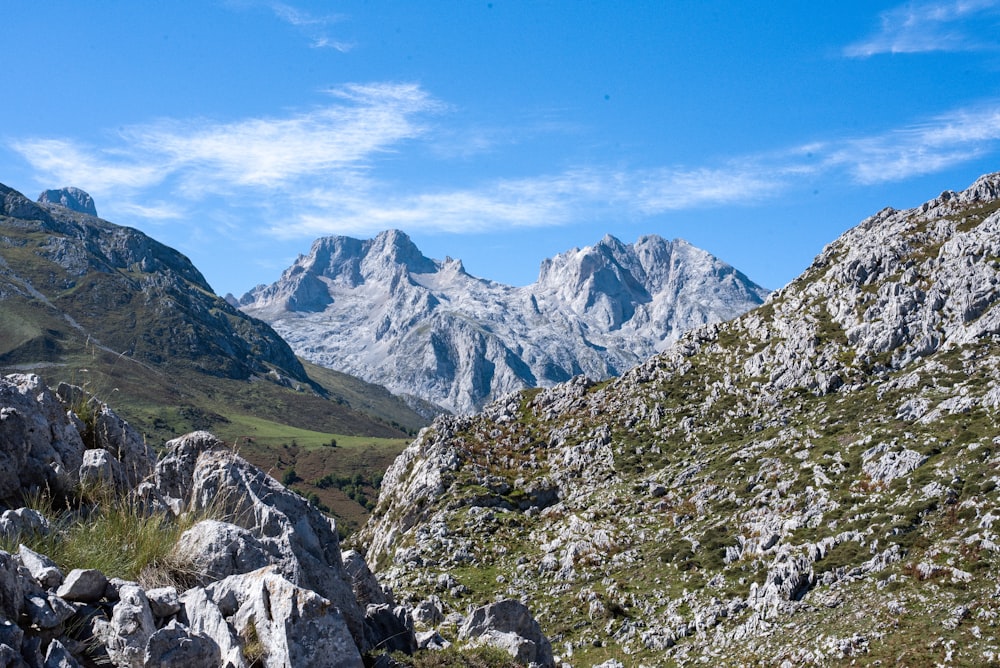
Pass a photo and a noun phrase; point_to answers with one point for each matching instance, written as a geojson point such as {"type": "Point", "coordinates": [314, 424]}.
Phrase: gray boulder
{"type": "Point", "coordinates": [83, 585]}
{"type": "Point", "coordinates": [297, 626]}
{"type": "Point", "coordinates": [509, 626]}
{"type": "Point", "coordinates": [207, 619]}
{"type": "Point", "coordinates": [43, 569]}
{"type": "Point", "coordinates": [57, 656]}
{"type": "Point", "coordinates": [22, 522]}
{"type": "Point", "coordinates": [163, 601]}
{"type": "Point", "coordinates": [97, 468]}
{"type": "Point", "coordinates": [428, 612]}
{"type": "Point", "coordinates": [366, 588]}
{"type": "Point", "coordinates": [390, 629]}
{"type": "Point", "coordinates": [216, 550]}
{"type": "Point", "coordinates": [40, 447]}
{"type": "Point", "coordinates": [131, 459]}
{"type": "Point", "coordinates": [198, 473]}
{"type": "Point", "coordinates": [174, 646]}
{"type": "Point", "coordinates": [11, 588]}
{"type": "Point", "coordinates": [42, 441]}
{"type": "Point", "coordinates": [130, 628]}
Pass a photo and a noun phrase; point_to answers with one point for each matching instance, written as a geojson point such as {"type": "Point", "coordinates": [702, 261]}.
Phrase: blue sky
{"type": "Point", "coordinates": [502, 132]}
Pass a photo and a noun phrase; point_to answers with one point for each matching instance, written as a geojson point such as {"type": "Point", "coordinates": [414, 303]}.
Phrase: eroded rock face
{"type": "Point", "coordinates": [130, 628]}
{"type": "Point", "coordinates": [40, 446]}
{"type": "Point", "coordinates": [217, 550]}
{"type": "Point", "coordinates": [298, 627]}
{"type": "Point", "coordinates": [174, 646]}
{"type": "Point", "coordinates": [43, 444]}
{"type": "Point", "coordinates": [198, 473]}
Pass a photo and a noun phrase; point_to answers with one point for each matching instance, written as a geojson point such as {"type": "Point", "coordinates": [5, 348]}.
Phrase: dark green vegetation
{"type": "Point", "coordinates": [135, 324]}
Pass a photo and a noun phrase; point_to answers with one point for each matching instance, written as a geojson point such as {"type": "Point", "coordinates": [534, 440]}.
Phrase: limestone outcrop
{"type": "Point", "coordinates": [378, 309]}
{"type": "Point", "coordinates": [257, 579]}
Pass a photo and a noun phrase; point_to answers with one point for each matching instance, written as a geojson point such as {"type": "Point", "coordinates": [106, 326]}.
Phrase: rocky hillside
{"type": "Point", "coordinates": [814, 482]}
{"type": "Point", "coordinates": [379, 309]}
{"type": "Point", "coordinates": [193, 560]}
{"type": "Point", "coordinates": [94, 303]}
{"type": "Point", "coordinates": [124, 292]}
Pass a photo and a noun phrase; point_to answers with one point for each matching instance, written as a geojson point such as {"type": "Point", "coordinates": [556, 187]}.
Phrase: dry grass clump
{"type": "Point", "coordinates": [113, 534]}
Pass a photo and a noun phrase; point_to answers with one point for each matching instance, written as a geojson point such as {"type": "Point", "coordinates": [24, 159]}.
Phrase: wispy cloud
{"type": "Point", "coordinates": [922, 148]}
{"type": "Point", "coordinates": [545, 200]}
{"type": "Point", "coordinates": [315, 28]}
{"type": "Point", "coordinates": [957, 25]}
{"type": "Point", "coordinates": [586, 193]}
{"type": "Point", "coordinates": [332, 142]}
{"type": "Point", "coordinates": [319, 172]}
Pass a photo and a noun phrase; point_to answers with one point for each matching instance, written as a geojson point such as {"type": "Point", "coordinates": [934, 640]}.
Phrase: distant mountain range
{"type": "Point", "coordinates": [379, 309]}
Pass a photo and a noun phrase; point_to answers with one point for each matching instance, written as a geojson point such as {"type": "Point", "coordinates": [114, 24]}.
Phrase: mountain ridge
{"type": "Point", "coordinates": [813, 482]}
{"type": "Point", "coordinates": [381, 310]}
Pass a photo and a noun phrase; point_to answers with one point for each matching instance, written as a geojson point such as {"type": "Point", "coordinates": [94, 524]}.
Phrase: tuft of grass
{"type": "Point", "coordinates": [254, 650]}
{"type": "Point", "coordinates": [113, 535]}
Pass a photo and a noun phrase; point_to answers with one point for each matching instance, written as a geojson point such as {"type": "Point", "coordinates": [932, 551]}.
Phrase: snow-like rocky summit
{"type": "Point", "coordinates": [70, 198]}
{"type": "Point", "coordinates": [379, 309]}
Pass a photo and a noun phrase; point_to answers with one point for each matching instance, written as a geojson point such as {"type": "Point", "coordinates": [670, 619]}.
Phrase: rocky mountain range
{"type": "Point", "coordinates": [813, 483]}
{"type": "Point", "coordinates": [379, 309]}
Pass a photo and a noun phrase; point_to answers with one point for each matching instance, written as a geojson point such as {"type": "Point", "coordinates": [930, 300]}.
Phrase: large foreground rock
{"type": "Point", "coordinates": [291, 626]}
{"type": "Point", "coordinates": [509, 626]}
{"type": "Point", "coordinates": [198, 473]}
{"type": "Point", "coordinates": [42, 441]}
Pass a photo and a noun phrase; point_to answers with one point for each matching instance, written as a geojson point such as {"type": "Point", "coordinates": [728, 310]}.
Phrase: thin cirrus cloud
{"type": "Point", "coordinates": [940, 142]}
{"type": "Point", "coordinates": [542, 201]}
{"type": "Point", "coordinates": [315, 28]}
{"type": "Point", "coordinates": [920, 27]}
{"type": "Point", "coordinates": [203, 158]}
{"type": "Point", "coordinates": [318, 171]}
{"type": "Point", "coordinates": [581, 194]}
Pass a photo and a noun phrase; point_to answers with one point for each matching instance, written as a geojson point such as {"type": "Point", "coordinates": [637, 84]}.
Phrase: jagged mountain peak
{"type": "Point", "coordinates": [350, 260]}
{"type": "Point", "coordinates": [393, 252]}
{"type": "Point", "coordinates": [71, 198]}
{"type": "Point", "coordinates": [380, 309]}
